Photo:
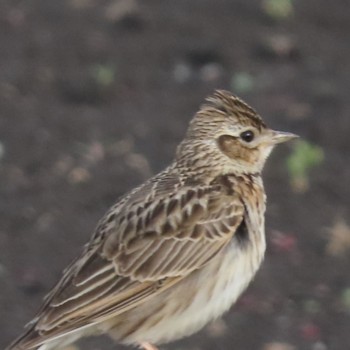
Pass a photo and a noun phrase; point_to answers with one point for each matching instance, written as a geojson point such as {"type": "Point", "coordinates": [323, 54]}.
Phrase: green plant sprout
{"type": "Point", "coordinates": [278, 9]}
{"type": "Point", "coordinates": [104, 75]}
{"type": "Point", "coordinates": [302, 160]}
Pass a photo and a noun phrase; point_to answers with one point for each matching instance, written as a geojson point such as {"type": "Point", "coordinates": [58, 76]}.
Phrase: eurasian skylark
{"type": "Point", "coordinates": [176, 252]}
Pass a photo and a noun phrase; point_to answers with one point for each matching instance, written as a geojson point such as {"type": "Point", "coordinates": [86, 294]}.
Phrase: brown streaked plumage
{"type": "Point", "coordinates": [177, 251]}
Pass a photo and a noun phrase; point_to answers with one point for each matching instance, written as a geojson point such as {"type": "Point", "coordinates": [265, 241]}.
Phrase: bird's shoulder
{"type": "Point", "coordinates": [164, 199]}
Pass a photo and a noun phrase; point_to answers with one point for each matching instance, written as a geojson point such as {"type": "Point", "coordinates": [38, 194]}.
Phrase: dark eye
{"type": "Point", "coordinates": [247, 136]}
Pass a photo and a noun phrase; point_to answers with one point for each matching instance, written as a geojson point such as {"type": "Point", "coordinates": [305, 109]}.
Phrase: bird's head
{"type": "Point", "coordinates": [228, 134]}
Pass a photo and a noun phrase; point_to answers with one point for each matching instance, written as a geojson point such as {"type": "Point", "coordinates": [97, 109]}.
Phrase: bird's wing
{"type": "Point", "coordinates": [148, 246]}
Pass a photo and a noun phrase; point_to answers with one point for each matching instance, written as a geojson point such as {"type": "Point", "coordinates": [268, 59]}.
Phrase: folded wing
{"type": "Point", "coordinates": [144, 247]}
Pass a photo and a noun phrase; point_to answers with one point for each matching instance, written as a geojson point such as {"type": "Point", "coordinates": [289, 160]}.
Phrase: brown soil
{"type": "Point", "coordinates": [93, 100]}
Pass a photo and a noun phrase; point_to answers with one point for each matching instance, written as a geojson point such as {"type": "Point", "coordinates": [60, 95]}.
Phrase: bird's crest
{"type": "Point", "coordinates": [225, 102]}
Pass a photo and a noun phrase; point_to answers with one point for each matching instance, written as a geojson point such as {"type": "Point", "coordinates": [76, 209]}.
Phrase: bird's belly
{"type": "Point", "coordinates": [192, 303]}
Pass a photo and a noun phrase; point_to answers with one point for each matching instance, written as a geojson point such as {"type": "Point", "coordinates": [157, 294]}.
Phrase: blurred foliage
{"type": "Point", "coordinates": [311, 306]}
{"type": "Point", "coordinates": [2, 151]}
{"type": "Point", "coordinates": [278, 9]}
{"type": "Point", "coordinates": [346, 299]}
{"type": "Point", "coordinates": [104, 75]}
{"type": "Point", "coordinates": [305, 156]}
{"type": "Point", "coordinates": [339, 239]}
{"type": "Point", "coordinates": [242, 82]}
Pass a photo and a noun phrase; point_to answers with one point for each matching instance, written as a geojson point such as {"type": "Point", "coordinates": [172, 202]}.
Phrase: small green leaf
{"type": "Point", "coordinates": [303, 159]}
{"type": "Point", "coordinates": [278, 9]}
{"type": "Point", "coordinates": [242, 82]}
{"type": "Point", "coordinates": [104, 75]}
{"type": "Point", "coordinates": [2, 150]}
{"type": "Point", "coordinates": [346, 298]}
{"type": "Point", "coordinates": [311, 306]}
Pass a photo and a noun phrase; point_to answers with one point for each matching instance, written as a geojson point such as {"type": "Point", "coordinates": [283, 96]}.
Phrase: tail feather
{"type": "Point", "coordinates": [32, 339]}
{"type": "Point", "coordinates": [26, 341]}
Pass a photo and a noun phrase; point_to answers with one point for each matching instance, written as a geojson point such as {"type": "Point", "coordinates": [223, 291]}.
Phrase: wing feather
{"type": "Point", "coordinates": [139, 252]}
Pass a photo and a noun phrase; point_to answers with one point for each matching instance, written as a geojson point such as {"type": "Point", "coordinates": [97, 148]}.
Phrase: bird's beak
{"type": "Point", "coordinates": [280, 136]}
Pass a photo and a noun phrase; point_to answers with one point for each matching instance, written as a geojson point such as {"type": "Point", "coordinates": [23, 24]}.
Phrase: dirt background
{"type": "Point", "coordinates": [94, 97]}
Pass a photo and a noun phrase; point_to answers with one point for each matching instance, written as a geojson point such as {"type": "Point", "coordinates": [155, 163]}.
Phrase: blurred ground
{"type": "Point", "coordinates": [95, 95]}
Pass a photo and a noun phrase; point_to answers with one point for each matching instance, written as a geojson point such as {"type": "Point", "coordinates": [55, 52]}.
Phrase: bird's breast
{"type": "Point", "coordinates": [198, 299]}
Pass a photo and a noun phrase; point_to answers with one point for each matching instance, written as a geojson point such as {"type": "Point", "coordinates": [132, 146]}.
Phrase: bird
{"type": "Point", "coordinates": [176, 252]}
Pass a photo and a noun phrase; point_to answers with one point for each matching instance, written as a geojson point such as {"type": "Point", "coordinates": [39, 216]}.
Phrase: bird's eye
{"type": "Point", "coordinates": [247, 136]}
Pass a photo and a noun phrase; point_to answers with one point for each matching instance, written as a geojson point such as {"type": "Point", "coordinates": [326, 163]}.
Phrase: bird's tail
{"type": "Point", "coordinates": [24, 341]}
{"type": "Point", "coordinates": [32, 339]}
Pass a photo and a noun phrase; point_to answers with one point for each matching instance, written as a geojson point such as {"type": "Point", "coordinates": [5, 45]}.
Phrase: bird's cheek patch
{"type": "Point", "coordinates": [226, 142]}
{"type": "Point", "coordinates": [231, 147]}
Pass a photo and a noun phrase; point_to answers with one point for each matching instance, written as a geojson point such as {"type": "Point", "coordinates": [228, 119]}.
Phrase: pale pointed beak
{"type": "Point", "coordinates": [281, 136]}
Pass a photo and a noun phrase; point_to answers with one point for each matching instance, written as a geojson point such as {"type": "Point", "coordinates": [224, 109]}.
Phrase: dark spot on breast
{"type": "Point", "coordinates": [242, 234]}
